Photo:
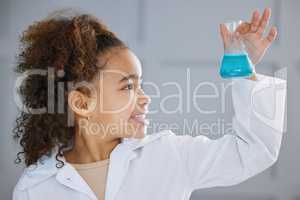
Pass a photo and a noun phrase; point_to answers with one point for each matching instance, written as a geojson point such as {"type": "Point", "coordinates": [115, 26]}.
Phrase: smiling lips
{"type": "Point", "coordinates": [140, 118]}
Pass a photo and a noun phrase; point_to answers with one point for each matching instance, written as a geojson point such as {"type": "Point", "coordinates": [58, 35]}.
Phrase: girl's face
{"type": "Point", "coordinates": [119, 108]}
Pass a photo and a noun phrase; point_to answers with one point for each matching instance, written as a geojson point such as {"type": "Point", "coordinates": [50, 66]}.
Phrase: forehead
{"type": "Point", "coordinates": [122, 62]}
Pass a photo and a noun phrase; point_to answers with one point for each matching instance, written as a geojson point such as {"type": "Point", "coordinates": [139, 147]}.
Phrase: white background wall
{"type": "Point", "coordinates": [171, 37]}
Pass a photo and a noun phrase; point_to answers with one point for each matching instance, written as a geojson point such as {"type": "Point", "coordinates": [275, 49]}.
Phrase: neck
{"type": "Point", "coordinates": [90, 148]}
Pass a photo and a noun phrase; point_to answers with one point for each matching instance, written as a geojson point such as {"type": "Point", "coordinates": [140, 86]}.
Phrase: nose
{"type": "Point", "coordinates": [143, 100]}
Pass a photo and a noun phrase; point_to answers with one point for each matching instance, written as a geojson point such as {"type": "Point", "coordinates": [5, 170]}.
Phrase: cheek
{"type": "Point", "coordinates": [117, 106]}
{"type": "Point", "coordinates": [117, 102]}
{"type": "Point", "coordinates": [126, 111]}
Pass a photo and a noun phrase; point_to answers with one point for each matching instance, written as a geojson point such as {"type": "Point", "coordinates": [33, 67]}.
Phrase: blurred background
{"type": "Point", "coordinates": [175, 40]}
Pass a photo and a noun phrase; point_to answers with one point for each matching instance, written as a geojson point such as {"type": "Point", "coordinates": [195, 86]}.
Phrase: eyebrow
{"type": "Point", "coordinates": [130, 76]}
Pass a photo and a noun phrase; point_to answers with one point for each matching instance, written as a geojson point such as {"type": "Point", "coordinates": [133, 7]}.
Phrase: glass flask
{"type": "Point", "coordinates": [235, 62]}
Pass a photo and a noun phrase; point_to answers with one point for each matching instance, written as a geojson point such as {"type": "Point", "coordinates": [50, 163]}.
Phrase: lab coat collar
{"type": "Point", "coordinates": [69, 177]}
{"type": "Point", "coordinates": [120, 159]}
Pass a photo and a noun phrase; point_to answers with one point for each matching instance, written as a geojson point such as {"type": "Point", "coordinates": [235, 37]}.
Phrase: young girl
{"type": "Point", "coordinates": [82, 129]}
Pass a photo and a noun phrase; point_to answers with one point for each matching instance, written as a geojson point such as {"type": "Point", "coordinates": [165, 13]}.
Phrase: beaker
{"type": "Point", "coordinates": [235, 62]}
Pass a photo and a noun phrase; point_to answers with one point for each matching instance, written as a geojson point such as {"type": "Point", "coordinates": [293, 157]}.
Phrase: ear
{"type": "Point", "coordinates": [81, 104]}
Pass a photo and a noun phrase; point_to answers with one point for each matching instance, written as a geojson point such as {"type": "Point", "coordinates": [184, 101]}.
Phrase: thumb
{"type": "Point", "coordinates": [224, 34]}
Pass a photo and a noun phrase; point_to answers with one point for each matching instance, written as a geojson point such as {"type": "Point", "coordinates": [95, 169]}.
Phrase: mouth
{"type": "Point", "coordinates": [140, 118]}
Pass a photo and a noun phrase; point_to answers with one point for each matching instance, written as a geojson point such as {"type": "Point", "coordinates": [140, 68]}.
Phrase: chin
{"type": "Point", "coordinates": [139, 136]}
{"type": "Point", "coordinates": [138, 133]}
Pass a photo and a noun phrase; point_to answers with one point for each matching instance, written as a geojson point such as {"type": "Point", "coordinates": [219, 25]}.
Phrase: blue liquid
{"type": "Point", "coordinates": [236, 65]}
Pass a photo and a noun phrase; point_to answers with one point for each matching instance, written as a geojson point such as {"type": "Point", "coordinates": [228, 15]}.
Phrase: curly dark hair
{"type": "Point", "coordinates": [73, 45]}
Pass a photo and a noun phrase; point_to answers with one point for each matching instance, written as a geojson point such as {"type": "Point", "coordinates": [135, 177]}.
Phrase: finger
{"type": "Point", "coordinates": [224, 34]}
{"type": "Point", "coordinates": [271, 36]}
{"type": "Point", "coordinates": [264, 21]}
{"type": "Point", "coordinates": [243, 28]}
{"type": "Point", "coordinates": [255, 21]}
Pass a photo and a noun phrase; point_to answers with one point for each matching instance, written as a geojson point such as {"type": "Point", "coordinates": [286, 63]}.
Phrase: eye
{"type": "Point", "coordinates": [129, 86]}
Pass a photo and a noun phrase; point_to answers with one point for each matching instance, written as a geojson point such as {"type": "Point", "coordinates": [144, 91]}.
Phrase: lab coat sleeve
{"type": "Point", "coordinates": [258, 123]}
{"type": "Point", "coordinates": [19, 194]}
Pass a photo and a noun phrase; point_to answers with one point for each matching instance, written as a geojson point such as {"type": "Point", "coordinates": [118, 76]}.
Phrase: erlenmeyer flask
{"type": "Point", "coordinates": [235, 62]}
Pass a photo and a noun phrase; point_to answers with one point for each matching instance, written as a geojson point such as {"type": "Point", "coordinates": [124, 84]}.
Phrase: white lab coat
{"type": "Point", "coordinates": [165, 166]}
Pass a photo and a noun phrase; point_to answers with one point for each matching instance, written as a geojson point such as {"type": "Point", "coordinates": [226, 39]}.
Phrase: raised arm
{"type": "Point", "coordinates": [258, 122]}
